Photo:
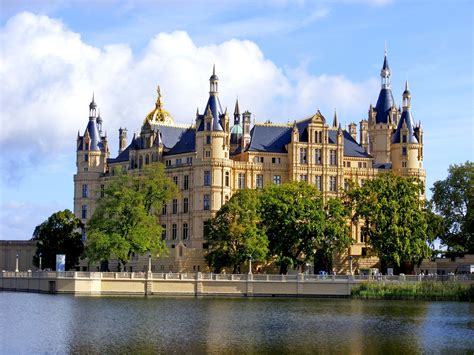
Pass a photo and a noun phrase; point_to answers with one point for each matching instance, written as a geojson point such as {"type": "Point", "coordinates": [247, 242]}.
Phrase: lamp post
{"type": "Point", "coordinates": [40, 259]}
{"type": "Point", "coordinates": [149, 262]}
{"type": "Point", "coordinates": [250, 264]}
{"type": "Point", "coordinates": [16, 266]}
{"type": "Point", "coordinates": [350, 264]}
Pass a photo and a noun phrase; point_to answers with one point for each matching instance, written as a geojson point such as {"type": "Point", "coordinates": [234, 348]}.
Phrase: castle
{"type": "Point", "coordinates": [212, 159]}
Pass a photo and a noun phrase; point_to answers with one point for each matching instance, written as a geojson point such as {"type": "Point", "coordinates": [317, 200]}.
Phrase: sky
{"type": "Point", "coordinates": [283, 59]}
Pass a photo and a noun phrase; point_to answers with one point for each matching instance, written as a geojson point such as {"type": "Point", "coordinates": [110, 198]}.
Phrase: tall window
{"type": "Point", "coordinates": [333, 183]}
{"type": "Point", "coordinates": [303, 177]}
{"type": "Point", "coordinates": [208, 139]}
{"type": "Point", "coordinates": [259, 181]}
{"type": "Point", "coordinates": [84, 211]}
{"type": "Point", "coordinates": [207, 178]}
{"type": "Point", "coordinates": [174, 231]}
{"type": "Point", "coordinates": [185, 231]}
{"type": "Point", "coordinates": [346, 184]}
{"type": "Point", "coordinates": [277, 179]}
{"type": "Point", "coordinates": [207, 202]}
{"type": "Point", "coordinates": [317, 182]}
{"type": "Point", "coordinates": [303, 152]}
{"type": "Point", "coordinates": [147, 159]}
{"type": "Point", "coordinates": [185, 205]}
{"type": "Point", "coordinates": [318, 156]}
{"type": "Point", "coordinates": [85, 191]}
{"type": "Point", "coordinates": [175, 206]}
{"type": "Point", "coordinates": [189, 160]}
{"type": "Point", "coordinates": [86, 157]}
{"type": "Point", "coordinates": [175, 180]}
{"type": "Point", "coordinates": [178, 162]}
{"type": "Point", "coordinates": [227, 178]}
{"type": "Point", "coordinates": [208, 126]}
{"type": "Point", "coordinates": [404, 151]}
{"type": "Point", "coordinates": [241, 181]}
{"type": "Point", "coordinates": [163, 210]}
{"type": "Point", "coordinates": [276, 160]}
{"type": "Point", "coordinates": [332, 157]}
{"type": "Point", "coordinates": [186, 182]}
{"type": "Point", "coordinates": [163, 231]}
{"type": "Point", "coordinates": [318, 137]}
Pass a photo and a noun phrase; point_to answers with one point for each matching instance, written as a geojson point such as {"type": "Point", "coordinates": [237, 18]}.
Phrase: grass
{"type": "Point", "coordinates": [425, 290]}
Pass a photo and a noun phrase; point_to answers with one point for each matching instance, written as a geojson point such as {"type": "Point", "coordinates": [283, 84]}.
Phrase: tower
{"type": "Point", "coordinates": [382, 118]}
{"type": "Point", "coordinates": [407, 142]}
{"type": "Point", "coordinates": [92, 153]}
{"type": "Point", "coordinates": [236, 131]}
{"type": "Point", "coordinates": [246, 130]}
{"type": "Point", "coordinates": [122, 139]}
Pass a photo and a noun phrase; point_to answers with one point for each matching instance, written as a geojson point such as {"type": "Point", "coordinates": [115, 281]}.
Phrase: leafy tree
{"type": "Point", "coordinates": [294, 216]}
{"type": "Point", "coordinates": [336, 237]}
{"type": "Point", "coordinates": [59, 234]}
{"type": "Point", "coordinates": [126, 219]}
{"type": "Point", "coordinates": [453, 199]}
{"type": "Point", "coordinates": [235, 233]}
{"type": "Point", "coordinates": [395, 219]}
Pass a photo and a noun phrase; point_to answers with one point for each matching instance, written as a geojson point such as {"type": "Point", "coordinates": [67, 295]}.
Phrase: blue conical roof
{"type": "Point", "coordinates": [406, 118]}
{"type": "Point", "coordinates": [383, 106]}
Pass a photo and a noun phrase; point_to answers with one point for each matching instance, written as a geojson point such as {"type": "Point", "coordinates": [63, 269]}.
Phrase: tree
{"type": "Point", "coordinates": [453, 199]}
{"type": "Point", "coordinates": [126, 219]}
{"type": "Point", "coordinates": [293, 215]}
{"type": "Point", "coordinates": [59, 234]}
{"type": "Point", "coordinates": [336, 237]}
{"type": "Point", "coordinates": [395, 218]}
{"type": "Point", "coordinates": [235, 233]}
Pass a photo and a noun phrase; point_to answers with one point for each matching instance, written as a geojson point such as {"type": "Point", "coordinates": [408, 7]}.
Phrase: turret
{"type": "Point", "coordinates": [335, 122]}
{"type": "Point", "coordinates": [236, 131]}
{"type": "Point", "coordinates": [122, 139]}
{"type": "Point", "coordinates": [246, 128]}
{"type": "Point", "coordinates": [353, 130]}
{"type": "Point", "coordinates": [364, 134]}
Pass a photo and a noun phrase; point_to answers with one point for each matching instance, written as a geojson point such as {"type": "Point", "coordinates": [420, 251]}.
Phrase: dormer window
{"type": "Point", "coordinates": [208, 126]}
{"type": "Point", "coordinates": [404, 138]}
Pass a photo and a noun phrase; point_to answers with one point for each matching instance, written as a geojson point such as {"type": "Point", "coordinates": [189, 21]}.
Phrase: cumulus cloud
{"type": "Point", "coordinates": [48, 74]}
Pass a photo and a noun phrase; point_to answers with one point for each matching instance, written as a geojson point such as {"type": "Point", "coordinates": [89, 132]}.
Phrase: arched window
{"type": "Point", "coordinates": [140, 162]}
{"type": "Point", "coordinates": [147, 159]}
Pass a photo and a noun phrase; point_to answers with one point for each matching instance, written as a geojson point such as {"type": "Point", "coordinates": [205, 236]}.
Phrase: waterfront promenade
{"type": "Point", "coordinates": [198, 284]}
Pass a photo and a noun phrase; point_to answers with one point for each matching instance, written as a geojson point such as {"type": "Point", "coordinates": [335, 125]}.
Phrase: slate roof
{"type": "Point", "coordinates": [185, 143]}
{"type": "Point", "coordinates": [93, 134]}
{"type": "Point", "coordinates": [406, 118]}
{"type": "Point", "coordinates": [383, 106]}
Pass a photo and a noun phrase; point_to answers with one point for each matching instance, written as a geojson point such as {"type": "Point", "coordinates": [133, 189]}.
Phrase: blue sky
{"type": "Point", "coordinates": [283, 59]}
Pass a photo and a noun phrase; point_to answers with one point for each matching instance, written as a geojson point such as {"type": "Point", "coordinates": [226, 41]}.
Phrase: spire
{"type": "Point", "coordinates": [99, 122]}
{"type": "Point", "coordinates": [385, 72]}
{"type": "Point", "coordinates": [213, 82]}
{"type": "Point", "coordinates": [339, 129]}
{"type": "Point", "coordinates": [335, 122]}
{"type": "Point", "coordinates": [237, 109]}
{"type": "Point", "coordinates": [92, 107]}
{"type": "Point", "coordinates": [406, 97]}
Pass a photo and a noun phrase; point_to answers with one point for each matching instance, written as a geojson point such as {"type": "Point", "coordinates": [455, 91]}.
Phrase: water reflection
{"type": "Point", "coordinates": [192, 325]}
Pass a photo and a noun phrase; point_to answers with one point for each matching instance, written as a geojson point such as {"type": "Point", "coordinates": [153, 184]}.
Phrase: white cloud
{"type": "Point", "coordinates": [48, 73]}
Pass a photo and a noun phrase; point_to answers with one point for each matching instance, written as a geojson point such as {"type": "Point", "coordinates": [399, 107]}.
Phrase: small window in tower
{"type": "Point", "coordinates": [207, 202]}
{"type": "Point", "coordinates": [207, 178]}
{"type": "Point", "coordinates": [87, 146]}
{"type": "Point", "coordinates": [404, 138]}
{"type": "Point", "coordinates": [86, 157]}
{"type": "Point", "coordinates": [84, 212]}
{"type": "Point", "coordinates": [208, 139]}
{"type": "Point", "coordinates": [404, 151]}
{"type": "Point", "coordinates": [208, 153]}
{"type": "Point", "coordinates": [227, 179]}
{"type": "Point", "coordinates": [208, 126]}
{"type": "Point", "coordinates": [85, 191]}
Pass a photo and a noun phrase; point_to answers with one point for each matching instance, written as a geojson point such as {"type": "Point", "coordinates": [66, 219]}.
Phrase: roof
{"type": "Point", "coordinates": [385, 63]}
{"type": "Point", "coordinates": [384, 104]}
{"type": "Point", "coordinates": [406, 118]}
{"type": "Point", "coordinates": [185, 144]}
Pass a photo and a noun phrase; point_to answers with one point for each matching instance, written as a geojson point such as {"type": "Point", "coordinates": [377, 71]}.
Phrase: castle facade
{"type": "Point", "coordinates": [215, 157]}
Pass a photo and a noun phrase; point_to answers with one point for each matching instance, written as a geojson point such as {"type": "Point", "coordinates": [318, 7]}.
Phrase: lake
{"type": "Point", "coordinates": [43, 323]}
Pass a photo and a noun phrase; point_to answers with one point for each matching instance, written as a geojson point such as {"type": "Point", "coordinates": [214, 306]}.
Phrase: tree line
{"type": "Point", "coordinates": [289, 225]}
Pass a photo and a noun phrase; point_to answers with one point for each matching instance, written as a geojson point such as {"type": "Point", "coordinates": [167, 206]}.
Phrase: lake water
{"type": "Point", "coordinates": [39, 323]}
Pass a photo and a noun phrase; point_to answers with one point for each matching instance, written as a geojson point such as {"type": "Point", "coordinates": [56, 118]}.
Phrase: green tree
{"type": "Point", "coordinates": [126, 218]}
{"type": "Point", "coordinates": [235, 233]}
{"type": "Point", "coordinates": [59, 234]}
{"type": "Point", "coordinates": [336, 237]}
{"type": "Point", "coordinates": [453, 199]}
{"type": "Point", "coordinates": [395, 218]}
{"type": "Point", "coordinates": [293, 214]}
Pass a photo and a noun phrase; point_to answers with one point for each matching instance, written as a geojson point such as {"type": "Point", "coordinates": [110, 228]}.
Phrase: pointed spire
{"type": "Point", "coordinates": [237, 108]}
{"type": "Point", "coordinates": [335, 121]}
{"type": "Point", "coordinates": [385, 72]}
{"type": "Point", "coordinates": [339, 129]}
{"type": "Point", "coordinates": [214, 69]}
{"type": "Point", "coordinates": [197, 111]}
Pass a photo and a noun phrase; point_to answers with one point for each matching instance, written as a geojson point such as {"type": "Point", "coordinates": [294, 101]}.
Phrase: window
{"type": "Point", "coordinates": [174, 231]}
{"type": "Point", "coordinates": [258, 160]}
{"type": "Point", "coordinates": [276, 160]}
{"type": "Point", "coordinates": [185, 205]}
{"type": "Point", "coordinates": [175, 180]}
{"type": "Point", "coordinates": [226, 198]}
{"type": "Point", "coordinates": [317, 182]}
{"type": "Point", "coordinates": [163, 210]}
{"type": "Point", "coordinates": [102, 190]}
{"type": "Point", "coordinates": [303, 178]}
{"type": "Point", "coordinates": [205, 232]}
{"type": "Point", "coordinates": [404, 138]}
{"type": "Point", "coordinates": [362, 182]}
{"type": "Point", "coordinates": [168, 163]}
{"type": "Point", "coordinates": [404, 164]}
{"type": "Point", "coordinates": [332, 183]}
{"type": "Point", "coordinates": [178, 162]}
{"type": "Point", "coordinates": [207, 178]}
{"type": "Point", "coordinates": [241, 181]}
{"type": "Point", "coordinates": [84, 211]}
{"type": "Point", "coordinates": [404, 151]}
{"type": "Point", "coordinates": [277, 179]}
{"type": "Point", "coordinates": [124, 168]}
{"type": "Point", "coordinates": [208, 126]}
{"type": "Point", "coordinates": [346, 184]}
{"type": "Point", "coordinates": [359, 164]}
{"type": "Point", "coordinates": [364, 252]}
{"type": "Point", "coordinates": [333, 157]}
{"type": "Point", "coordinates": [208, 139]}
{"type": "Point", "coordinates": [303, 152]}
{"type": "Point", "coordinates": [86, 157]}
{"type": "Point", "coordinates": [87, 146]}
{"type": "Point", "coordinates": [175, 206]}
{"type": "Point", "coordinates": [189, 160]}
{"type": "Point", "coordinates": [348, 164]}
{"type": "Point", "coordinates": [186, 182]}
{"type": "Point", "coordinates": [163, 231]}
{"type": "Point", "coordinates": [207, 202]}
{"type": "Point", "coordinates": [147, 159]}
{"type": "Point", "coordinates": [85, 191]}
{"type": "Point", "coordinates": [185, 231]}
{"type": "Point", "coordinates": [318, 137]}
{"type": "Point", "coordinates": [227, 178]}
{"type": "Point", "coordinates": [259, 181]}
{"type": "Point", "coordinates": [317, 156]}
{"type": "Point", "coordinates": [84, 236]}
{"type": "Point", "coordinates": [208, 153]}
{"type": "Point", "coordinates": [140, 162]}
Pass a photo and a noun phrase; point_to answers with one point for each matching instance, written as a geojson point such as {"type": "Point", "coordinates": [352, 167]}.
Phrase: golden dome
{"type": "Point", "coordinates": [159, 115]}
